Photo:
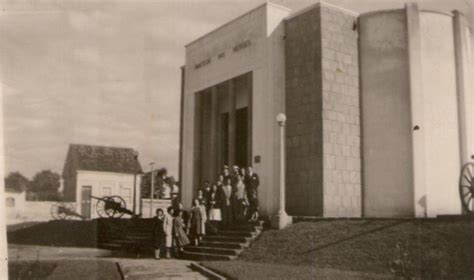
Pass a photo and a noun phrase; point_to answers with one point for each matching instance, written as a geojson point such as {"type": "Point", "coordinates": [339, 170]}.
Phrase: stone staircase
{"type": "Point", "coordinates": [226, 244]}
{"type": "Point", "coordinates": [134, 237]}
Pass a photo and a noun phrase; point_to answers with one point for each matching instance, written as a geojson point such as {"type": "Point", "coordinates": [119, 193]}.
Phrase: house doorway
{"type": "Point", "coordinates": [86, 202]}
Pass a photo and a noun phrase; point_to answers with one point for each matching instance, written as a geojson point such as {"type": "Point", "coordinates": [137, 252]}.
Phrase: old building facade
{"type": "Point", "coordinates": [369, 98]}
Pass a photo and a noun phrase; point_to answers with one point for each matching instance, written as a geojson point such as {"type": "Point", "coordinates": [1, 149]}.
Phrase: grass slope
{"type": "Point", "coordinates": [428, 248]}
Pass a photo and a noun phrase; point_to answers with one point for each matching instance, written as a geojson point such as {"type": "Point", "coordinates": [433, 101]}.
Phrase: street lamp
{"type": "Point", "coordinates": [135, 161]}
{"type": "Point", "coordinates": [282, 219]}
{"type": "Point", "coordinates": [152, 188]}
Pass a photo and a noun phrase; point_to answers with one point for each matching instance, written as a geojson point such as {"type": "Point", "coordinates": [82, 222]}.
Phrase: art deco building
{"type": "Point", "coordinates": [377, 104]}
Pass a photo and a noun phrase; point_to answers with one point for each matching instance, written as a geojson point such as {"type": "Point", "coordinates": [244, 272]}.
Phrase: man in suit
{"type": "Point", "coordinates": [225, 173]}
{"type": "Point", "coordinates": [252, 182]}
{"type": "Point", "coordinates": [235, 175]}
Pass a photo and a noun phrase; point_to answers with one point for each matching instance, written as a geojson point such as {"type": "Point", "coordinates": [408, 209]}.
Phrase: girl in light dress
{"type": "Point", "coordinates": [215, 199]}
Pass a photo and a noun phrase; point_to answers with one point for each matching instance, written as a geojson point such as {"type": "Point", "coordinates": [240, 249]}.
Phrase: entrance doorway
{"type": "Point", "coordinates": [86, 202]}
{"type": "Point", "coordinates": [223, 128]}
{"type": "Point", "coordinates": [241, 134]}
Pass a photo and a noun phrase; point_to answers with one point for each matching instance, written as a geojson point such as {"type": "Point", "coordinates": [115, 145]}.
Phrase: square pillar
{"type": "Point", "coordinates": [213, 135]}
{"type": "Point", "coordinates": [232, 120]}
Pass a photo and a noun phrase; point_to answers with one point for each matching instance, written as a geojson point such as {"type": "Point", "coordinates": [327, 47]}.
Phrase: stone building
{"type": "Point", "coordinates": [377, 108]}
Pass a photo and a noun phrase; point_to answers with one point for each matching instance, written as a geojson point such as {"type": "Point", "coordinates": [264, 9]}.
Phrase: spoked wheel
{"type": "Point", "coordinates": [56, 211]}
{"type": "Point", "coordinates": [111, 206]}
{"type": "Point", "coordinates": [62, 211]}
{"type": "Point", "coordinates": [466, 187]}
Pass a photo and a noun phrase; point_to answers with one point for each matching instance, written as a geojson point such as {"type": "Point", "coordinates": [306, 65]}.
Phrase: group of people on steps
{"type": "Point", "coordinates": [231, 199]}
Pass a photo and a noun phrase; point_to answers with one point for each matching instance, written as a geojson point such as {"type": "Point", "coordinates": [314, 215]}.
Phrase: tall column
{"type": "Point", "coordinates": [232, 121]}
{"type": "Point", "coordinates": [213, 136]}
{"type": "Point", "coordinates": [417, 110]}
{"type": "Point", "coordinates": [196, 147]}
{"type": "Point", "coordinates": [3, 226]}
{"type": "Point", "coordinates": [463, 87]}
{"type": "Point", "coordinates": [249, 118]}
{"type": "Point", "coordinates": [181, 128]}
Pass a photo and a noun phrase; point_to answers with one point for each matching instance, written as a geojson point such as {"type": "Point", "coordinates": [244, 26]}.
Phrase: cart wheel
{"type": "Point", "coordinates": [466, 187]}
{"type": "Point", "coordinates": [69, 210]}
{"type": "Point", "coordinates": [58, 211]}
{"type": "Point", "coordinates": [120, 202]}
{"type": "Point", "coordinates": [100, 209]}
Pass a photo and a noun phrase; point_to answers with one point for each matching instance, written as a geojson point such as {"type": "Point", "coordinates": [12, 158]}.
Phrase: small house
{"type": "Point", "coordinates": [98, 171]}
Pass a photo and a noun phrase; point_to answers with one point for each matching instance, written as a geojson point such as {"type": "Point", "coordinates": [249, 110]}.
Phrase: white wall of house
{"type": "Point", "coordinates": [14, 205]}
{"type": "Point", "coordinates": [107, 184]}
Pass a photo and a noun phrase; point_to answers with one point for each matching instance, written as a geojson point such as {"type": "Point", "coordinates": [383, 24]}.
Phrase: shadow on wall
{"type": "Point", "coordinates": [55, 233]}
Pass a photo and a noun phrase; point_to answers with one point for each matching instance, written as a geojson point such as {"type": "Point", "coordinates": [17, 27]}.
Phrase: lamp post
{"type": "Point", "coordinates": [152, 188]}
{"type": "Point", "coordinates": [135, 160]}
{"type": "Point", "coordinates": [282, 219]}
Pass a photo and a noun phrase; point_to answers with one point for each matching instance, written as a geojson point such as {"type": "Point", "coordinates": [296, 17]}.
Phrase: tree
{"type": "Point", "coordinates": [45, 185]}
{"type": "Point", "coordinates": [16, 181]}
{"type": "Point", "coordinates": [158, 181]}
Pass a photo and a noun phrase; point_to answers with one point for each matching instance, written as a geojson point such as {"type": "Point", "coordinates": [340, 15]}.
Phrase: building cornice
{"type": "Point", "coordinates": [236, 19]}
{"type": "Point", "coordinates": [322, 4]}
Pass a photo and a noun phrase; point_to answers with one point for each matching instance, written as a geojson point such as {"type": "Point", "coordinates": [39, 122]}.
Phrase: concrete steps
{"type": "Point", "coordinates": [226, 244]}
{"type": "Point", "coordinates": [206, 256]}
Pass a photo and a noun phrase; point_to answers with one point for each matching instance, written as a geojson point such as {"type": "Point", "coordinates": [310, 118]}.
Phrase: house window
{"type": "Point", "coordinates": [126, 195]}
{"type": "Point", "coordinates": [10, 202]}
{"type": "Point", "coordinates": [106, 191]}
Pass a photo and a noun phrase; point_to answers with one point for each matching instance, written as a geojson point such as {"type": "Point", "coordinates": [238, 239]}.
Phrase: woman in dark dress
{"type": "Point", "coordinates": [195, 222]}
{"type": "Point", "coordinates": [159, 235]}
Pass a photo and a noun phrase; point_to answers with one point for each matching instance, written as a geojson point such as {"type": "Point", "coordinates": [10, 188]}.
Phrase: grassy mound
{"type": "Point", "coordinates": [423, 248]}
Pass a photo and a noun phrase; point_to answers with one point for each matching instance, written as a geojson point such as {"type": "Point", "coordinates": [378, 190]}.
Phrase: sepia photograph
{"type": "Point", "coordinates": [236, 139]}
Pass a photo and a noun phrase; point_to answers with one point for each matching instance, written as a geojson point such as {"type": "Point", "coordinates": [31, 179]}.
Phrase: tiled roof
{"type": "Point", "coordinates": [101, 158]}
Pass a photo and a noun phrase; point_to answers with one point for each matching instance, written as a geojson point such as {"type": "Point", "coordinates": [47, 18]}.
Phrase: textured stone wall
{"type": "Point", "coordinates": [340, 114]}
{"type": "Point", "coordinates": [304, 113]}
{"type": "Point", "coordinates": [322, 106]}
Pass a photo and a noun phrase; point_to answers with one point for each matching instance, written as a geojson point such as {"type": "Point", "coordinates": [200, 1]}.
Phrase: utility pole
{"type": "Point", "coordinates": [135, 161]}
{"type": "Point", "coordinates": [152, 188]}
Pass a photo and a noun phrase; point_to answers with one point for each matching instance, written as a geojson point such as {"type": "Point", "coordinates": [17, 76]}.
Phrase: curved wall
{"type": "Point", "coordinates": [440, 114]}
{"type": "Point", "coordinates": [409, 56]}
{"type": "Point", "coordinates": [385, 107]}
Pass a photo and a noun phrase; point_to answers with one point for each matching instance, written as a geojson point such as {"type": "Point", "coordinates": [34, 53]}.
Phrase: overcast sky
{"type": "Point", "coordinates": [107, 72]}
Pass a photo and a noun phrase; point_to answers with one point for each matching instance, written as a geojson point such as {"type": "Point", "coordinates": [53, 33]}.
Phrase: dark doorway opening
{"type": "Point", "coordinates": [241, 135]}
{"type": "Point", "coordinates": [224, 139]}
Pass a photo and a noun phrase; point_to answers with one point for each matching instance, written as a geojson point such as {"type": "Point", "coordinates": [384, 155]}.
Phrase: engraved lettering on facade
{"type": "Point", "coordinates": [242, 45]}
{"type": "Point", "coordinates": [202, 63]}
